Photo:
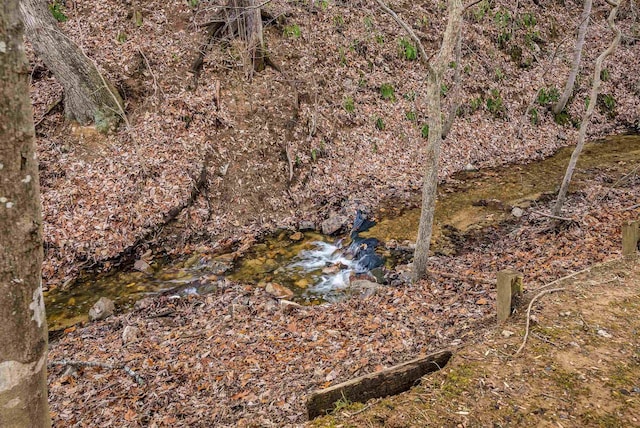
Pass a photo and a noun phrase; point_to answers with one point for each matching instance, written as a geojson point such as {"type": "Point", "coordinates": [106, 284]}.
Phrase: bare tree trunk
{"type": "Point", "coordinates": [434, 111]}
{"type": "Point", "coordinates": [577, 55]}
{"type": "Point", "coordinates": [23, 326]}
{"type": "Point", "coordinates": [246, 23]}
{"type": "Point", "coordinates": [593, 97]}
{"type": "Point", "coordinates": [434, 142]}
{"type": "Point", "coordinates": [88, 97]}
{"type": "Point", "coordinates": [455, 97]}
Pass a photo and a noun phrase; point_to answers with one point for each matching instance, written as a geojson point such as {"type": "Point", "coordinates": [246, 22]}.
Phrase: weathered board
{"type": "Point", "coordinates": [391, 381]}
{"type": "Point", "coordinates": [630, 232]}
{"type": "Point", "coordinates": [509, 286]}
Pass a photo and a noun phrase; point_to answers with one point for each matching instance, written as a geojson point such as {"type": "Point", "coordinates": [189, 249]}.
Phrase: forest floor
{"type": "Point", "coordinates": [347, 107]}
{"type": "Point", "coordinates": [346, 116]}
{"type": "Point", "coordinates": [238, 357]}
{"type": "Point", "coordinates": [580, 366]}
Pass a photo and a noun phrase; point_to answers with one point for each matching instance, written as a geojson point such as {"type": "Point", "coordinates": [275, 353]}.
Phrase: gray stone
{"type": "Point", "coordinates": [306, 225]}
{"type": "Point", "coordinates": [334, 224]}
{"type": "Point", "coordinates": [130, 334]}
{"type": "Point", "coordinates": [102, 309]}
{"type": "Point", "coordinates": [378, 274]}
{"type": "Point", "coordinates": [288, 306]}
{"type": "Point", "coordinates": [562, 136]}
{"type": "Point", "coordinates": [143, 266]}
{"type": "Point", "coordinates": [364, 287]}
{"type": "Point", "coordinates": [517, 212]}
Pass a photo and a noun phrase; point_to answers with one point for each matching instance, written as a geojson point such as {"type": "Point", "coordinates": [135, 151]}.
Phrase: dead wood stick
{"type": "Point", "coordinates": [554, 216]}
{"type": "Point", "coordinates": [526, 331]}
{"type": "Point", "coordinates": [632, 207]}
{"type": "Point", "coordinates": [49, 110]}
{"type": "Point", "coordinates": [153, 75]}
{"type": "Point", "coordinates": [576, 273]}
{"type": "Point", "coordinates": [75, 363]}
{"type": "Point", "coordinates": [391, 381]}
{"type": "Point", "coordinates": [289, 152]}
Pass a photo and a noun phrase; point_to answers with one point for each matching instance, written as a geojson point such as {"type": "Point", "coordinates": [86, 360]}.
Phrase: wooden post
{"type": "Point", "coordinates": [509, 285]}
{"type": "Point", "coordinates": [630, 236]}
{"type": "Point", "coordinates": [391, 381]}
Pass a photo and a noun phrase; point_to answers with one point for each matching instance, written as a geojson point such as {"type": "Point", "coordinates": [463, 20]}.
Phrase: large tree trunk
{"type": "Point", "coordinates": [577, 55]}
{"type": "Point", "coordinates": [586, 118]}
{"type": "Point", "coordinates": [430, 181]}
{"type": "Point", "coordinates": [23, 326]}
{"type": "Point", "coordinates": [245, 22]}
{"type": "Point", "coordinates": [88, 97]}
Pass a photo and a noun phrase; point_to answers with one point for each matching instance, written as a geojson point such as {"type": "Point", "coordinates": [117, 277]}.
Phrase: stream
{"type": "Point", "coordinates": [317, 269]}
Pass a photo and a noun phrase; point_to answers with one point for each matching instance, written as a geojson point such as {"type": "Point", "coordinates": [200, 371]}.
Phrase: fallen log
{"type": "Point", "coordinates": [391, 381]}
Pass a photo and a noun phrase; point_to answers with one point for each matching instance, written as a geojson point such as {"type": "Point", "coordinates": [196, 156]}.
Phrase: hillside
{"type": "Point", "coordinates": [350, 145]}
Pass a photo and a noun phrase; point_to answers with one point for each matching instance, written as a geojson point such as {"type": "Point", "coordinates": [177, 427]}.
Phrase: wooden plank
{"type": "Point", "coordinates": [391, 381]}
{"type": "Point", "coordinates": [509, 285]}
{"type": "Point", "coordinates": [630, 238]}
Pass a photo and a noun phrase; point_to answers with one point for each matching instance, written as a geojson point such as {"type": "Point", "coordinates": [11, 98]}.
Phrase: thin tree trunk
{"type": "Point", "coordinates": [455, 97]}
{"type": "Point", "coordinates": [586, 118]}
{"type": "Point", "coordinates": [23, 326]}
{"type": "Point", "coordinates": [577, 55]}
{"type": "Point", "coordinates": [435, 70]}
{"type": "Point", "coordinates": [88, 97]}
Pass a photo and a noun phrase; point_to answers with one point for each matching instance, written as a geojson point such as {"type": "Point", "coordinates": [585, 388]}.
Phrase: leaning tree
{"type": "Point", "coordinates": [88, 96]}
{"type": "Point", "coordinates": [593, 97]}
{"type": "Point", "coordinates": [23, 326]}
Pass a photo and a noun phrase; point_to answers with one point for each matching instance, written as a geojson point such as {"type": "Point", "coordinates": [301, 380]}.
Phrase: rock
{"type": "Point", "coordinates": [288, 306]}
{"type": "Point", "coordinates": [604, 333]}
{"type": "Point", "coordinates": [145, 303]}
{"type": "Point", "coordinates": [306, 225]}
{"type": "Point", "coordinates": [378, 274]}
{"type": "Point", "coordinates": [102, 309]}
{"type": "Point", "coordinates": [562, 136]}
{"type": "Point", "coordinates": [298, 236]}
{"type": "Point", "coordinates": [365, 287]}
{"type": "Point", "coordinates": [278, 291]}
{"type": "Point", "coordinates": [470, 167]}
{"type": "Point", "coordinates": [130, 334]}
{"type": "Point", "coordinates": [143, 266]}
{"type": "Point", "coordinates": [334, 224]}
{"type": "Point", "coordinates": [517, 212]}
{"type": "Point", "coordinates": [507, 333]}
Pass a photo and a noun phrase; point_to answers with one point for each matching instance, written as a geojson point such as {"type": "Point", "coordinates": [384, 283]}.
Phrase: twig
{"type": "Point", "coordinates": [471, 4]}
{"type": "Point", "coordinates": [408, 30]}
{"type": "Point", "coordinates": [49, 110]}
{"type": "Point", "coordinates": [350, 415]}
{"type": "Point", "coordinates": [155, 81]}
{"type": "Point", "coordinates": [620, 180]}
{"type": "Point", "coordinates": [576, 273]}
{"type": "Point", "coordinates": [554, 216]}
{"type": "Point", "coordinates": [526, 333]}
{"type": "Point", "coordinates": [632, 207]}
{"type": "Point", "coordinates": [128, 370]}
{"type": "Point", "coordinates": [289, 152]}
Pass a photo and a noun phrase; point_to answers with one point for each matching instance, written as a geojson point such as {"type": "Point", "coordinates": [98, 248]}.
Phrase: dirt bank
{"type": "Point", "coordinates": [349, 143]}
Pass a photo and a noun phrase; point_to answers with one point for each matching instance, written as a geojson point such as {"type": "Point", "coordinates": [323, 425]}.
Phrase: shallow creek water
{"type": "Point", "coordinates": [314, 268]}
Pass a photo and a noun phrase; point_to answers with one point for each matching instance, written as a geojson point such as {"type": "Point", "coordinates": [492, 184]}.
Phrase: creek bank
{"type": "Point", "coordinates": [468, 203]}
